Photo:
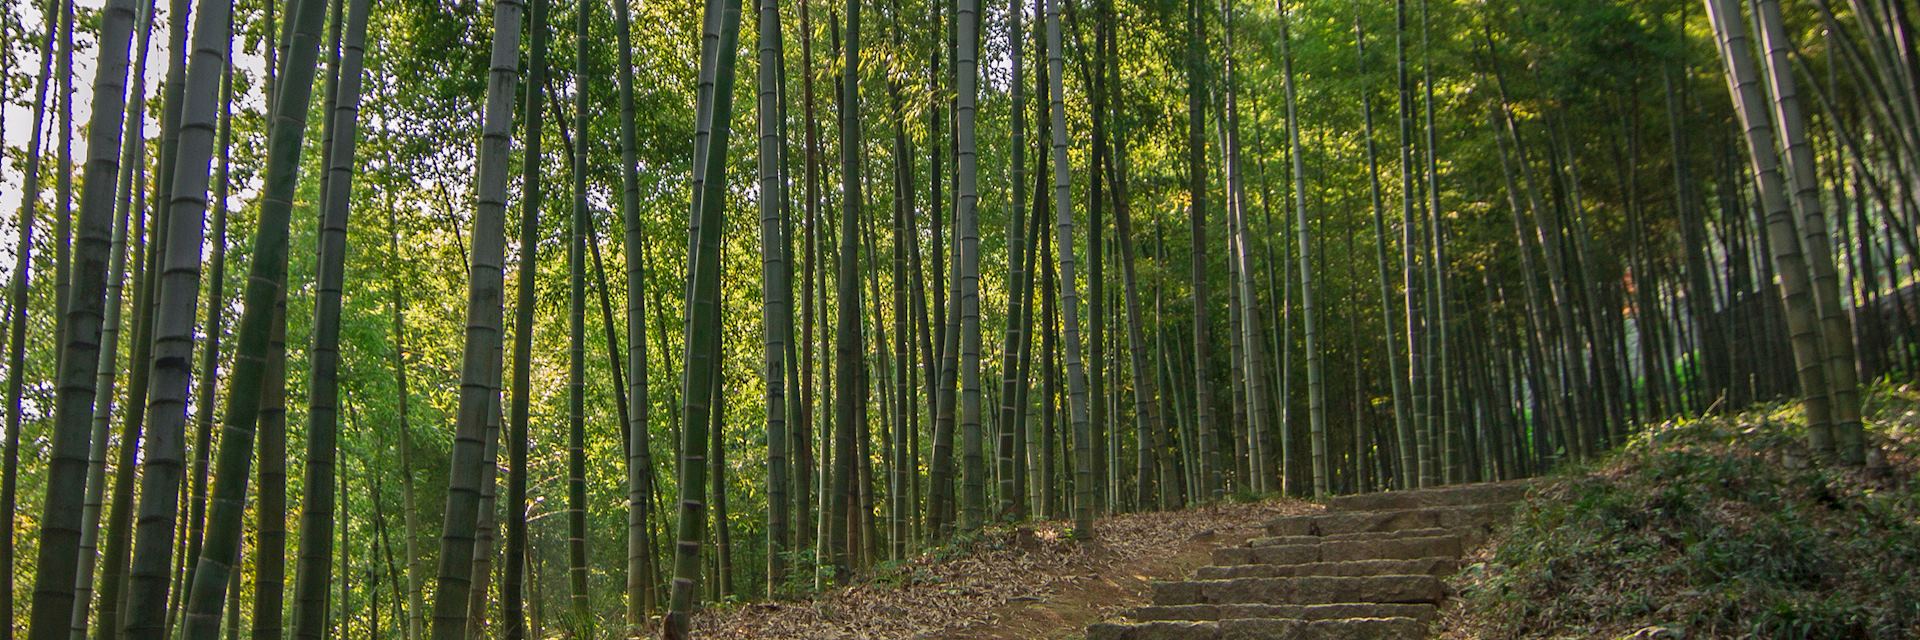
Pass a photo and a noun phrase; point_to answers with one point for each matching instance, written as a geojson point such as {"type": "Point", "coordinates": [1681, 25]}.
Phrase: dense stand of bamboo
{"type": "Point", "coordinates": [1766, 250]}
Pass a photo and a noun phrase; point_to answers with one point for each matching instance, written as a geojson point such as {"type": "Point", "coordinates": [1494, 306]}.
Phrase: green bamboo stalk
{"type": "Point", "coordinates": [641, 572]}
{"type": "Point", "coordinates": [581, 599]}
{"type": "Point", "coordinates": [17, 290]}
{"type": "Point", "coordinates": [265, 293]}
{"type": "Point", "coordinates": [481, 342]}
{"type": "Point", "coordinates": [82, 312]}
{"type": "Point", "coordinates": [1836, 328]}
{"type": "Point", "coordinates": [776, 277]}
{"type": "Point", "coordinates": [1011, 382]}
{"type": "Point", "coordinates": [713, 128]}
{"type": "Point", "coordinates": [311, 574]}
{"type": "Point", "coordinates": [1403, 426]}
{"type": "Point", "coordinates": [1316, 385]}
{"type": "Point", "coordinates": [1083, 507]}
{"type": "Point", "coordinates": [512, 585]}
{"type": "Point", "coordinates": [1796, 285]}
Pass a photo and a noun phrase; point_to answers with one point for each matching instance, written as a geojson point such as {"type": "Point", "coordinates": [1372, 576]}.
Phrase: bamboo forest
{"type": "Point", "coordinates": [451, 319]}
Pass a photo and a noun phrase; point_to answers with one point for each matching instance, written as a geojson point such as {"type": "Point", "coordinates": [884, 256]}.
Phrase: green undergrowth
{"type": "Point", "coordinates": [1718, 527]}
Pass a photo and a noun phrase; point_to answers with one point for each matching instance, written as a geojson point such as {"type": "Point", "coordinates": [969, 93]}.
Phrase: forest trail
{"type": "Point", "coordinates": [1006, 584]}
{"type": "Point", "coordinates": [1371, 566]}
{"type": "Point", "coordinates": [1099, 595]}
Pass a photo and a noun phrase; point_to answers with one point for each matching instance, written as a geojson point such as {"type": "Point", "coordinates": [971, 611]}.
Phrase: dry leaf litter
{"type": "Point", "coordinates": [944, 591]}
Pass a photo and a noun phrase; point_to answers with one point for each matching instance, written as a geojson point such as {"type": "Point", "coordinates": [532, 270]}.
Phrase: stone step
{"type": "Point", "coordinates": [1210, 612]}
{"type": "Point", "coordinates": [1264, 629]}
{"type": "Point", "coordinates": [1450, 496]}
{"type": "Point", "coordinates": [1444, 546]}
{"type": "Point", "coordinates": [1335, 523]}
{"type": "Point", "coordinates": [1370, 567]}
{"type": "Point", "coordinates": [1440, 567]}
{"type": "Point", "coordinates": [1302, 590]}
{"type": "Point", "coordinates": [1277, 541]}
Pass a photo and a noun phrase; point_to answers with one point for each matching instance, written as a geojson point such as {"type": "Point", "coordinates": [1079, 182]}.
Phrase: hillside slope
{"type": "Point", "coordinates": [1713, 528]}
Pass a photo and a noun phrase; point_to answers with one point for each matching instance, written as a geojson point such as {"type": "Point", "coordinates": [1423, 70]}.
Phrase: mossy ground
{"type": "Point", "coordinates": [1718, 527]}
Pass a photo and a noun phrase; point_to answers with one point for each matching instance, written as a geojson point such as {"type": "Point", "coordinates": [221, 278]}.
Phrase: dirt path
{"type": "Point", "coordinates": [1007, 583]}
{"type": "Point", "coordinates": [1066, 612]}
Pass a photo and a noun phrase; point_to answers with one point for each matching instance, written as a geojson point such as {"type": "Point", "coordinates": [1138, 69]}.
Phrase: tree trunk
{"type": "Point", "coordinates": [481, 341]}
{"type": "Point", "coordinates": [513, 609]}
{"type": "Point", "coordinates": [258, 362]}
{"type": "Point", "coordinates": [901, 476]}
{"type": "Point", "coordinates": [1040, 441]}
{"type": "Point", "coordinates": [120, 519]}
{"type": "Point", "coordinates": [1413, 458]}
{"type": "Point", "coordinates": [82, 311]}
{"type": "Point", "coordinates": [802, 436]}
{"type": "Point", "coordinates": [946, 340]}
{"type": "Point", "coordinates": [1210, 488]}
{"type": "Point", "coordinates": [582, 609]}
{"type": "Point", "coordinates": [1105, 444]}
{"type": "Point", "coordinates": [17, 289]}
{"type": "Point", "coordinates": [1249, 334]}
{"type": "Point", "coordinates": [130, 199]}
{"type": "Point", "coordinates": [1316, 389]}
{"type": "Point", "coordinates": [1403, 427]}
{"type": "Point", "coordinates": [270, 547]}
{"type": "Point", "coordinates": [1836, 330]}
{"type": "Point", "coordinates": [1069, 291]}
{"type": "Point", "coordinates": [63, 162]}
{"type": "Point", "coordinates": [216, 296]}
{"type": "Point", "coordinates": [967, 219]}
{"type": "Point", "coordinates": [642, 574]}
{"type": "Point", "coordinates": [1011, 382]}
{"type": "Point", "coordinates": [776, 309]}
{"type": "Point", "coordinates": [723, 534]}
{"type": "Point", "coordinates": [718, 44]}
{"type": "Point", "coordinates": [311, 576]}
{"type": "Point", "coordinates": [1795, 286]}
{"type": "Point", "coordinates": [1440, 334]}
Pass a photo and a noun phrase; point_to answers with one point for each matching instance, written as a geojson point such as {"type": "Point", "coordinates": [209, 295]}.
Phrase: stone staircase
{"type": "Point", "coordinates": [1370, 566]}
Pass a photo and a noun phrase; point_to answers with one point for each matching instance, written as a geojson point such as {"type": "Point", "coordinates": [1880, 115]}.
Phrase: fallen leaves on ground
{"type": "Point", "coordinates": [947, 589]}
